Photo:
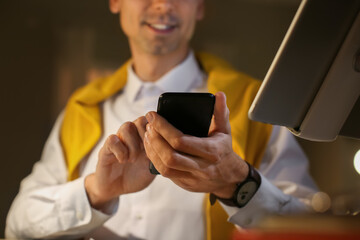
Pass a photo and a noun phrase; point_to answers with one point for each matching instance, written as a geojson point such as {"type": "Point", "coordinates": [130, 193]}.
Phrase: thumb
{"type": "Point", "coordinates": [220, 121]}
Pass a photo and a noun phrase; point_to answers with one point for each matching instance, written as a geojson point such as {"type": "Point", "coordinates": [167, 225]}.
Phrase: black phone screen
{"type": "Point", "coordinates": [191, 113]}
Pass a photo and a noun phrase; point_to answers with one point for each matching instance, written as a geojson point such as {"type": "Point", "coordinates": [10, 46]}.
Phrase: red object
{"type": "Point", "coordinates": [257, 235]}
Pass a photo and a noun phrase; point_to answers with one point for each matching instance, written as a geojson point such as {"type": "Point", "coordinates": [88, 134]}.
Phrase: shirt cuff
{"type": "Point", "coordinates": [267, 200]}
{"type": "Point", "coordinates": [76, 210]}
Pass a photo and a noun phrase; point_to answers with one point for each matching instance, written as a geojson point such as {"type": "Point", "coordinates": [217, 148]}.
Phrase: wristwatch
{"type": "Point", "coordinates": [245, 190]}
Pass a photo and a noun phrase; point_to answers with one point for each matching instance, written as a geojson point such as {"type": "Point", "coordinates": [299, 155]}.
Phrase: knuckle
{"type": "Point", "coordinates": [140, 121]}
{"type": "Point", "coordinates": [210, 175]}
{"type": "Point", "coordinates": [102, 151]}
{"type": "Point", "coordinates": [166, 172]}
{"type": "Point", "coordinates": [212, 150]}
{"type": "Point", "coordinates": [177, 143]}
{"type": "Point", "coordinates": [118, 156]}
{"type": "Point", "coordinates": [171, 160]}
{"type": "Point", "coordinates": [216, 152]}
{"type": "Point", "coordinates": [204, 175]}
{"type": "Point", "coordinates": [114, 146]}
{"type": "Point", "coordinates": [127, 126]}
{"type": "Point", "coordinates": [111, 140]}
{"type": "Point", "coordinates": [217, 157]}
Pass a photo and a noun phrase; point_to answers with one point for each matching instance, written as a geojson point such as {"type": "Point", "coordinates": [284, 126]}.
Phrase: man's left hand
{"type": "Point", "coordinates": [196, 164]}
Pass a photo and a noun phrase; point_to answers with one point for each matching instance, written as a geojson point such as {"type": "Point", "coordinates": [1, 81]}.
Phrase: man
{"type": "Point", "coordinates": [93, 178]}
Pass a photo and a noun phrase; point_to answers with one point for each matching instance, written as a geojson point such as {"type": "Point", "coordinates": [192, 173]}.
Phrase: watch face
{"type": "Point", "coordinates": [246, 192]}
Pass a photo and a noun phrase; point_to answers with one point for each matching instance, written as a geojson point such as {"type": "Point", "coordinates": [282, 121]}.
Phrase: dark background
{"type": "Point", "coordinates": [49, 48]}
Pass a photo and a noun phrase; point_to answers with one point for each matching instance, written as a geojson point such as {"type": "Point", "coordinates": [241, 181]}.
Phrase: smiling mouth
{"type": "Point", "coordinates": [161, 28]}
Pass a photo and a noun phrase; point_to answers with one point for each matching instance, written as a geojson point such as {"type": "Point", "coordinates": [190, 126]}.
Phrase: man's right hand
{"type": "Point", "coordinates": [123, 166]}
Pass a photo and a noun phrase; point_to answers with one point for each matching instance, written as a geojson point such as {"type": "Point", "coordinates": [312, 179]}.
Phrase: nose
{"type": "Point", "coordinates": [163, 5]}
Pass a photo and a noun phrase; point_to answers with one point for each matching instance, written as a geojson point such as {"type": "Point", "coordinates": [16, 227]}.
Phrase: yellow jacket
{"type": "Point", "coordinates": [81, 128]}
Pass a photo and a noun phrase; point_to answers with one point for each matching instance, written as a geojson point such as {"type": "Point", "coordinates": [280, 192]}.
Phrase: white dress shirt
{"type": "Point", "coordinates": [48, 206]}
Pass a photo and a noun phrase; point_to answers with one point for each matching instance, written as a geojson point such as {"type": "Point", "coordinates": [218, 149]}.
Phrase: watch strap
{"type": "Point", "coordinates": [253, 175]}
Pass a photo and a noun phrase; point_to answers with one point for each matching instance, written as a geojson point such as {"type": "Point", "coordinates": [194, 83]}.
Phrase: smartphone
{"type": "Point", "coordinates": [191, 113]}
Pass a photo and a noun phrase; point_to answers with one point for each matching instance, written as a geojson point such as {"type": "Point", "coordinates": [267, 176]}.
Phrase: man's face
{"type": "Point", "coordinates": [158, 27]}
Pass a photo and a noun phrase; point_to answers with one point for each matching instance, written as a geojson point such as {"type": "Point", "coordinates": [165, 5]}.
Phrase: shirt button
{"type": "Point", "coordinates": [138, 217]}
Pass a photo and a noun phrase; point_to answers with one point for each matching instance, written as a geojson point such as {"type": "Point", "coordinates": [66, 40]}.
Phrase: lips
{"type": "Point", "coordinates": [161, 27]}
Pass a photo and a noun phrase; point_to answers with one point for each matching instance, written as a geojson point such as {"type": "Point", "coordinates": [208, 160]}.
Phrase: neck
{"type": "Point", "coordinates": [150, 67]}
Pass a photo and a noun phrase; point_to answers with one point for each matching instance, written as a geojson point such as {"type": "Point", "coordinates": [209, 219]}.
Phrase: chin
{"type": "Point", "coordinates": [162, 48]}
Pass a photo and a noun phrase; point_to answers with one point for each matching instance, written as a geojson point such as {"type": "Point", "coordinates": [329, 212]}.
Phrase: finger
{"type": "Point", "coordinates": [220, 121]}
{"type": "Point", "coordinates": [170, 159]}
{"type": "Point", "coordinates": [200, 147]}
{"type": "Point", "coordinates": [129, 135]}
{"type": "Point", "coordinates": [207, 148]}
{"type": "Point", "coordinates": [113, 148]}
{"type": "Point", "coordinates": [171, 134]}
{"type": "Point", "coordinates": [174, 137]}
{"type": "Point", "coordinates": [140, 124]}
{"type": "Point", "coordinates": [161, 124]}
{"type": "Point", "coordinates": [168, 156]}
{"type": "Point", "coordinates": [153, 155]}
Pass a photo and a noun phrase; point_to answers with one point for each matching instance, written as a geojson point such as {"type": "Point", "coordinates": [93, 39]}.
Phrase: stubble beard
{"type": "Point", "coordinates": [160, 45]}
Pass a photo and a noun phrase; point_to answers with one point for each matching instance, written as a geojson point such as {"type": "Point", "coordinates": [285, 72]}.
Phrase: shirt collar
{"type": "Point", "coordinates": [179, 79]}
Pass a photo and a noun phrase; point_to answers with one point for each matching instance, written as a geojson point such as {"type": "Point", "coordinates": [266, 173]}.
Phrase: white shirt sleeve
{"type": "Point", "coordinates": [47, 205]}
{"type": "Point", "coordinates": [286, 186]}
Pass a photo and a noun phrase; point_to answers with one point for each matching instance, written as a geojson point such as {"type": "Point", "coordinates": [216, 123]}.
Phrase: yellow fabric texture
{"type": "Point", "coordinates": [82, 125]}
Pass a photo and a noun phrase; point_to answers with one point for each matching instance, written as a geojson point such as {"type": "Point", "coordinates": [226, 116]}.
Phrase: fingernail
{"type": "Point", "coordinates": [149, 117]}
